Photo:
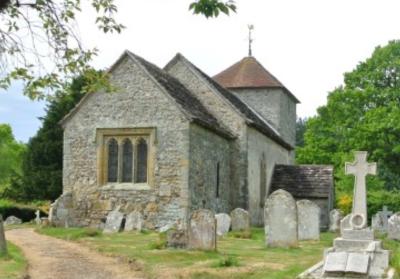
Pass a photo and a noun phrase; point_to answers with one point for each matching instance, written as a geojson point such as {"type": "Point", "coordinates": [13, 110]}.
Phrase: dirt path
{"type": "Point", "coordinates": [51, 258]}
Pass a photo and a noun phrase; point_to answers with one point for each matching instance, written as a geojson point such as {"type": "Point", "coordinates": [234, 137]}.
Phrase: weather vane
{"type": "Point", "coordinates": [251, 28]}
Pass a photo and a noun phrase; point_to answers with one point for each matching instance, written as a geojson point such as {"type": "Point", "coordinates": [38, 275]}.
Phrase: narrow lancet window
{"type": "Point", "coordinates": [217, 188]}
{"type": "Point", "coordinates": [263, 180]}
{"type": "Point", "coordinates": [127, 161]}
{"type": "Point", "coordinates": [112, 168]}
{"type": "Point", "coordinates": [141, 162]}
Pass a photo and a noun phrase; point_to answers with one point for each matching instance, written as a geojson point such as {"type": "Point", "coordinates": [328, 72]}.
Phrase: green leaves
{"type": "Point", "coordinates": [212, 8]}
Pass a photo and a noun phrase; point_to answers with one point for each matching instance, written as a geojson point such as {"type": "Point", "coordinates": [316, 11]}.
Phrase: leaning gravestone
{"type": "Point", "coordinates": [223, 223]}
{"type": "Point", "coordinates": [202, 230]}
{"type": "Point", "coordinates": [394, 226]}
{"type": "Point", "coordinates": [3, 242]}
{"type": "Point", "coordinates": [134, 221]}
{"type": "Point", "coordinates": [240, 220]}
{"type": "Point", "coordinates": [113, 221]}
{"type": "Point", "coordinates": [12, 220]}
{"type": "Point", "coordinates": [356, 254]}
{"type": "Point", "coordinates": [308, 216]}
{"type": "Point", "coordinates": [281, 216]}
{"type": "Point", "coordinates": [334, 220]}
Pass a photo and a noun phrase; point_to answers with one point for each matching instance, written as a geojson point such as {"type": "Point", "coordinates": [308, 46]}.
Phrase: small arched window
{"type": "Point", "coordinates": [141, 162]}
{"type": "Point", "coordinates": [112, 168]}
{"type": "Point", "coordinates": [127, 161]}
{"type": "Point", "coordinates": [263, 179]}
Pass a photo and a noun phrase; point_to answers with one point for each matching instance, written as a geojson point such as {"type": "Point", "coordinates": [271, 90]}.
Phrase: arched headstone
{"type": "Point", "coordinates": [223, 223]}
{"type": "Point", "coordinates": [240, 219]}
{"type": "Point", "coordinates": [202, 230]}
{"type": "Point", "coordinates": [281, 217]}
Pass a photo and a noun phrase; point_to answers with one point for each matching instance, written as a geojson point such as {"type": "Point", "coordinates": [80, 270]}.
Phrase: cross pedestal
{"type": "Point", "coordinates": [360, 169]}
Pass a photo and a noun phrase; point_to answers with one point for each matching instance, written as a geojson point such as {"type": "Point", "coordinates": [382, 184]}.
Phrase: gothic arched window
{"type": "Point", "coordinates": [263, 179]}
{"type": "Point", "coordinates": [112, 167]}
{"type": "Point", "coordinates": [127, 161]}
{"type": "Point", "coordinates": [141, 162]}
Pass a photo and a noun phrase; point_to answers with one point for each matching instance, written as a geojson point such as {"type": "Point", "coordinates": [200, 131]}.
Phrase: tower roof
{"type": "Point", "coordinates": [249, 73]}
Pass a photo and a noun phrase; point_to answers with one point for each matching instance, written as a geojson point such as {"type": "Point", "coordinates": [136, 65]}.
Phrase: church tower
{"type": "Point", "coordinates": [263, 93]}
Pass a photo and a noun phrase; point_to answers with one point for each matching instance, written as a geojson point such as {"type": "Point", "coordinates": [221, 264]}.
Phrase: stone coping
{"type": "Point", "coordinates": [126, 187]}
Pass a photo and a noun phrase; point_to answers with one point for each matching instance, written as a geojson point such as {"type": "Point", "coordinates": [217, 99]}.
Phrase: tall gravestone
{"type": "Point", "coordinates": [356, 254]}
{"type": "Point", "coordinates": [202, 230]}
{"type": "Point", "coordinates": [280, 215]}
{"type": "Point", "coordinates": [308, 218]}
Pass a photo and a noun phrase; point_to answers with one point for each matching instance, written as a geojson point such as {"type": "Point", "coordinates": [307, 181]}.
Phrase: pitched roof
{"type": "Point", "coordinates": [303, 181]}
{"type": "Point", "coordinates": [250, 115]}
{"type": "Point", "coordinates": [249, 73]}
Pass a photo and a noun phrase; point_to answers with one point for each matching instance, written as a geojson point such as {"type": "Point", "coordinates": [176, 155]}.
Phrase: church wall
{"type": "Point", "coordinates": [209, 171]}
{"type": "Point", "coordinates": [230, 118]}
{"type": "Point", "coordinates": [274, 154]}
{"type": "Point", "coordinates": [275, 106]}
{"type": "Point", "coordinates": [139, 102]}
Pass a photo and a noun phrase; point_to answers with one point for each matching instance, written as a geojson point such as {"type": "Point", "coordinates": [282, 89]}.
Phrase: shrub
{"type": "Point", "coordinates": [24, 212]}
{"type": "Point", "coordinates": [344, 203]}
{"type": "Point", "coordinates": [227, 261]}
{"type": "Point", "coordinates": [160, 244]}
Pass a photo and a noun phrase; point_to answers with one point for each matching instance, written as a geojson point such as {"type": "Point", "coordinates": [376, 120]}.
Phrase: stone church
{"type": "Point", "coordinates": [173, 140]}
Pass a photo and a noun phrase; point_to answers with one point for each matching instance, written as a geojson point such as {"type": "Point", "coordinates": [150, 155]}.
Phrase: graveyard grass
{"type": "Point", "coordinates": [13, 265]}
{"type": "Point", "coordinates": [236, 257]}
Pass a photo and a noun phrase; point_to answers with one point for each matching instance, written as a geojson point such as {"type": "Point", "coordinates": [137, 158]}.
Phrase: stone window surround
{"type": "Point", "coordinates": [147, 133]}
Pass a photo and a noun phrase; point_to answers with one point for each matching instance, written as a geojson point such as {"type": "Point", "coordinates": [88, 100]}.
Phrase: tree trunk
{"type": "Point", "coordinates": [3, 243]}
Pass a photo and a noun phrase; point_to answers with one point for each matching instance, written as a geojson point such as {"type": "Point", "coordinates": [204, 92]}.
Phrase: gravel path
{"type": "Point", "coordinates": [51, 258]}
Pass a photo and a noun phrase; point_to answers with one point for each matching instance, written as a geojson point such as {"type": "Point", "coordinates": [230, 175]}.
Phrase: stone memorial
{"type": "Point", "coordinates": [113, 222]}
{"type": "Point", "coordinates": [37, 218]}
{"type": "Point", "coordinates": [394, 226]}
{"type": "Point", "coordinates": [240, 220]}
{"type": "Point", "coordinates": [281, 216]}
{"type": "Point", "coordinates": [356, 254]}
{"type": "Point", "coordinates": [379, 221]}
{"type": "Point", "coordinates": [335, 216]}
{"type": "Point", "coordinates": [223, 223]}
{"type": "Point", "coordinates": [308, 218]}
{"type": "Point", "coordinates": [134, 222]}
{"type": "Point", "coordinates": [202, 230]}
{"type": "Point", "coordinates": [60, 213]}
{"type": "Point", "coordinates": [12, 220]}
{"type": "Point", "coordinates": [176, 238]}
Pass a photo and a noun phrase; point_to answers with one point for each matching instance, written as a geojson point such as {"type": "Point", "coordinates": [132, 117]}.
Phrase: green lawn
{"type": "Point", "coordinates": [236, 258]}
{"type": "Point", "coordinates": [12, 266]}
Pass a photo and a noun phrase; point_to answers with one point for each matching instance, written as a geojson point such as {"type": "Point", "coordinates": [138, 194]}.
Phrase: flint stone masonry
{"type": "Point", "coordinates": [334, 220]}
{"type": "Point", "coordinates": [281, 217]}
{"type": "Point", "coordinates": [134, 221]}
{"type": "Point", "coordinates": [240, 220]}
{"type": "Point", "coordinates": [223, 223]}
{"type": "Point", "coordinates": [394, 226]}
{"type": "Point", "coordinates": [12, 220]}
{"type": "Point", "coordinates": [308, 217]}
{"type": "Point", "coordinates": [113, 222]}
{"type": "Point", "coordinates": [202, 230]}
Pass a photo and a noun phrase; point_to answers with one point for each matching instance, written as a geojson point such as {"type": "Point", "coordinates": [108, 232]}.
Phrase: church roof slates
{"type": "Point", "coordinates": [303, 181]}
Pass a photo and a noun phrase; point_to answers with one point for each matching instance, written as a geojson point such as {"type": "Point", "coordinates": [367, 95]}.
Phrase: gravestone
{"type": "Point", "coordinates": [240, 220]}
{"type": "Point", "coordinates": [3, 242]}
{"type": "Point", "coordinates": [280, 214]}
{"type": "Point", "coordinates": [61, 210]}
{"type": "Point", "coordinates": [113, 222]}
{"type": "Point", "coordinates": [379, 221]}
{"type": "Point", "coordinates": [356, 254]}
{"type": "Point", "coordinates": [223, 223]}
{"type": "Point", "coordinates": [335, 217]}
{"type": "Point", "coordinates": [202, 230]}
{"type": "Point", "coordinates": [134, 221]}
{"type": "Point", "coordinates": [37, 218]}
{"type": "Point", "coordinates": [176, 238]}
{"type": "Point", "coordinates": [394, 226]}
{"type": "Point", "coordinates": [12, 220]}
{"type": "Point", "coordinates": [308, 218]}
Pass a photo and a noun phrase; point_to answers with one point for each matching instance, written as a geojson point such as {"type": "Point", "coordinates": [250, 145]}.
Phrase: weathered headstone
{"type": "Point", "coordinates": [12, 220]}
{"type": "Point", "coordinates": [281, 217]}
{"type": "Point", "coordinates": [379, 221]}
{"type": "Point", "coordinates": [308, 218]}
{"type": "Point", "coordinates": [394, 226]}
{"type": "Point", "coordinates": [134, 221]}
{"type": "Point", "coordinates": [37, 219]}
{"type": "Point", "coordinates": [61, 210]}
{"type": "Point", "coordinates": [240, 220]}
{"type": "Point", "coordinates": [176, 238]}
{"type": "Point", "coordinates": [3, 242]}
{"type": "Point", "coordinates": [334, 220]}
{"type": "Point", "coordinates": [202, 230]}
{"type": "Point", "coordinates": [113, 221]}
{"type": "Point", "coordinates": [223, 223]}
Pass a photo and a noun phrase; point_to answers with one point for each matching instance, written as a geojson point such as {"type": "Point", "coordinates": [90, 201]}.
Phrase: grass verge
{"type": "Point", "coordinates": [14, 265]}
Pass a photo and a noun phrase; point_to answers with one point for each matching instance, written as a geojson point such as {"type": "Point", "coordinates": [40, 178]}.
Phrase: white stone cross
{"type": "Point", "coordinates": [360, 169]}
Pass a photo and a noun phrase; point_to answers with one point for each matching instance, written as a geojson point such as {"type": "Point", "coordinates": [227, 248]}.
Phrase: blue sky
{"type": "Point", "coordinates": [20, 112]}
